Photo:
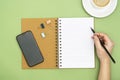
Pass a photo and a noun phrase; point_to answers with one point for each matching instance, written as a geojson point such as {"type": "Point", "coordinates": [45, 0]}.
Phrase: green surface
{"type": "Point", "coordinates": [11, 12]}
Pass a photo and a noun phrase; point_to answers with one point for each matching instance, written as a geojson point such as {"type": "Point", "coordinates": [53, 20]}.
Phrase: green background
{"type": "Point", "coordinates": [11, 13]}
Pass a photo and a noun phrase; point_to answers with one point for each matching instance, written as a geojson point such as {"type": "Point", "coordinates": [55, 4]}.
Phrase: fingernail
{"type": "Point", "coordinates": [92, 37]}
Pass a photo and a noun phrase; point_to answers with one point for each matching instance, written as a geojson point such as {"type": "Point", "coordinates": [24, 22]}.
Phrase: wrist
{"type": "Point", "coordinates": [105, 61]}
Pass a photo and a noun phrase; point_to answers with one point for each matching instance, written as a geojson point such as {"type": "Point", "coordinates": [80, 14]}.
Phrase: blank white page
{"type": "Point", "coordinates": [76, 47]}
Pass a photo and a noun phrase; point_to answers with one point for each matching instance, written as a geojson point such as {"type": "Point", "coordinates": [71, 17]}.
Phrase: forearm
{"type": "Point", "coordinates": [104, 73]}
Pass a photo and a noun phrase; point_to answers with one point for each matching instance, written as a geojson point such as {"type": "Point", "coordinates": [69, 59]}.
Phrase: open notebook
{"type": "Point", "coordinates": [68, 42]}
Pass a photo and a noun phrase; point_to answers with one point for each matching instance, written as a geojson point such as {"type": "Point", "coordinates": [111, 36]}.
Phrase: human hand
{"type": "Point", "coordinates": [101, 53]}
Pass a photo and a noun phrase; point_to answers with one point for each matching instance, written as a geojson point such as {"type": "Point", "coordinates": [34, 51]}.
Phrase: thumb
{"type": "Point", "coordinates": [96, 41]}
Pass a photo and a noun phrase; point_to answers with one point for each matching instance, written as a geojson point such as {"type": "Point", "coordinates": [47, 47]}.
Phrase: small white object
{"type": "Point", "coordinates": [48, 21]}
{"type": "Point", "coordinates": [99, 11]}
{"type": "Point", "coordinates": [43, 35]}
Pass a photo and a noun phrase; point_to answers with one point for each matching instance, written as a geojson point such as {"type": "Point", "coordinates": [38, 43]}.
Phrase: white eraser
{"type": "Point", "coordinates": [43, 35]}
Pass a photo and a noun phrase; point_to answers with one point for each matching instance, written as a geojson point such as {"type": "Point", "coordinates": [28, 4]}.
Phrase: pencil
{"type": "Point", "coordinates": [102, 44]}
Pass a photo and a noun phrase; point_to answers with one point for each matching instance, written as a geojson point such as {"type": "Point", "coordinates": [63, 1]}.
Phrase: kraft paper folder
{"type": "Point", "coordinates": [67, 44]}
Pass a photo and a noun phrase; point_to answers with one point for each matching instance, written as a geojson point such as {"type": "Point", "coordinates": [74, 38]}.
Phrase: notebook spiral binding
{"type": "Point", "coordinates": [56, 38]}
{"type": "Point", "coordinates": [60, 41]}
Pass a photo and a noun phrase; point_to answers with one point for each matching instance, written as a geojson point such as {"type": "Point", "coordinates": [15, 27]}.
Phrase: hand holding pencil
{"type": "Point", "coordinates": [108, 44]}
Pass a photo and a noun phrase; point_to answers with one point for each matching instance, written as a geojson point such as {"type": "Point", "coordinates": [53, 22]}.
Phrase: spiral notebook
{"type": "Point", "coordinates": [68, 42]}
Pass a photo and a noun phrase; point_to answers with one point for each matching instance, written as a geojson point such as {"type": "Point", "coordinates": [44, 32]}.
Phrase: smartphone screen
{"type": "Point", "coordinates": [29, 48]}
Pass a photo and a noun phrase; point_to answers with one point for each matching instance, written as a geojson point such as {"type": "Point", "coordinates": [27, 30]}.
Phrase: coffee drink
{"type": "Point", "coordinates": [101, 3]}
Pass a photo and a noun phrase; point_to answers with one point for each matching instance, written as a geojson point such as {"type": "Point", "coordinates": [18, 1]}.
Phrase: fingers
{"type": "Point", "coordinates": [106, 41]}
{"type": "Point", "coordinates": [104, 37]}
{"type": "Point", "coordinates": [96, 41]}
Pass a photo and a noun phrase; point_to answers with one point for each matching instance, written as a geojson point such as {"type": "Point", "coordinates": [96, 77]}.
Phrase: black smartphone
{"type": "Point", "coordinates": [30, 49]}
